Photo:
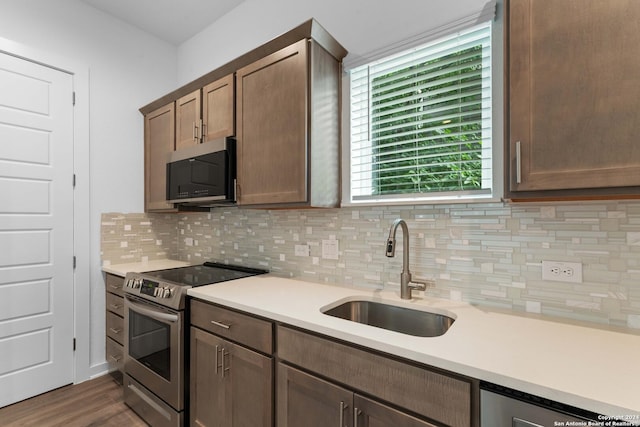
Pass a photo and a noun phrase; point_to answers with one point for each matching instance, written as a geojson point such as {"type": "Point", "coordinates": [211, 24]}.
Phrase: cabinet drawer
{"type": "Point", "coordinates": [114, 354]}
{"type": "Point", "coordinates": [115, 327]}
{"type": "Point", "coordinates": [242, 328]}
{"type": "Point", "coordinates": [440, 397]}
{"type": "Point", "coordinates": [115, 304]}
{"type": "Point", "coordinates": [114, 284]}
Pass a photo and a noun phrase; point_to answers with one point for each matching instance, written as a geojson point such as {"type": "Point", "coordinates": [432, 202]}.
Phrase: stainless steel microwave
{"type": "Point", "coordinates": [203, 175]}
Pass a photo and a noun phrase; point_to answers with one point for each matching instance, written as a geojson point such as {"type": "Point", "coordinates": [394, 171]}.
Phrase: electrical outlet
{"type": "Point", "coordinates": [301, 250]}
{"type": "Point", "coordinates": [561, 271]}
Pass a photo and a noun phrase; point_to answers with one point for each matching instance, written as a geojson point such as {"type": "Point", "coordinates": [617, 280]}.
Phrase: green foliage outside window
{"type": "Point", "coordinates": [427, 126]}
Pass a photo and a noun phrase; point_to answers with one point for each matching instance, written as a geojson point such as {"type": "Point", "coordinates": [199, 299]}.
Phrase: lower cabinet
{"type": "Point", "coordinates": [318, 382]}
{"type": "Point", "coordinates": [442, 397]}
{"type": "Point", "coordinates": [114, 345]}
{"type": "Point", "coordinates": [230, 385]}
{"type": "Point", "coordinates": [306, 400]}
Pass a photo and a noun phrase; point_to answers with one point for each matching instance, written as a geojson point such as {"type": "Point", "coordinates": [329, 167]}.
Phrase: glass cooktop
{"type": "Point", "coordinates": [205, 274]}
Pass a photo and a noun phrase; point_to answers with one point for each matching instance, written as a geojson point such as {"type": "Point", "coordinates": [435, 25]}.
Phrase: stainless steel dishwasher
{"type": "Point", "coordinates": [505, 407]}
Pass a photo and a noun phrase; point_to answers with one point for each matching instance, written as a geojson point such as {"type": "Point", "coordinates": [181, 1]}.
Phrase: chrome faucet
{"type": "Point", "coordinates": [406, 284]}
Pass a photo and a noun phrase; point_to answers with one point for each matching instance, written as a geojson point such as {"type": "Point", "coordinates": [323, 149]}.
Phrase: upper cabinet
{"type": "Point", "coordinates": [159, 141]}
{"type": "Point", "coordinates": [218, 109]}
{"type": "Point", "coordinates": [282, 102]}
{"type": "Point", "coordinates": [206, 113]}
{"type": "Point", "coordinates": [573, 92]}
{"type": "Point", "coordinates": [188, 120]}
{"type": "Point", "coordinates": [288, 128]}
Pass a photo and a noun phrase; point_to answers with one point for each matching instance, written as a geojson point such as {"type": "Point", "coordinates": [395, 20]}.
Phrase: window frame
{"type": "Point", "coordinates": [497, 129]}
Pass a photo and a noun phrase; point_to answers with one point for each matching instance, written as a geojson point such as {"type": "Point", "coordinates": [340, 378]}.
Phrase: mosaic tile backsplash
{"type": "Point", "coordinates": [487, 254]}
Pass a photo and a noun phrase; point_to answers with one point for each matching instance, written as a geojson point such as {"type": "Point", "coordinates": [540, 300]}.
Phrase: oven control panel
{"type": "Point", "coordinates": [152, 289]}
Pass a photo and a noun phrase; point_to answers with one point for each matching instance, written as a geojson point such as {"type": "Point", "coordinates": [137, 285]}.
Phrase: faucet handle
{"type": "Point", "coordinates": [421, 285]}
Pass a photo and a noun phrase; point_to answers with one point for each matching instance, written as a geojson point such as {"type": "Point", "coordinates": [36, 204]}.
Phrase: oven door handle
{"type": "Point", "coordinates": [167, 317]}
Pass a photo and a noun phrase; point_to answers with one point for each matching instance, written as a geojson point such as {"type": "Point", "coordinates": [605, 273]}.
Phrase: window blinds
{"type": "Point", "coordinates": [421, 120]}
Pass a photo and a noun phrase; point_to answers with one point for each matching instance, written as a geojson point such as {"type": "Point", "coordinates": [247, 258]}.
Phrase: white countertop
{"type": "Point", "coordinates": [589, 368]}
{"type": "Point", "coordinates": [141, 267]}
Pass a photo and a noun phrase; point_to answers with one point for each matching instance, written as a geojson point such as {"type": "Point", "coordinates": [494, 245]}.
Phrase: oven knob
{"type": "Point", "coordinates": [167, 293]}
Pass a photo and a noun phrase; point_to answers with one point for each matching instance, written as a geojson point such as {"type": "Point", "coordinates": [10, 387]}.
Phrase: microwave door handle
{"type": "Point", "coordinates": [166, 317]}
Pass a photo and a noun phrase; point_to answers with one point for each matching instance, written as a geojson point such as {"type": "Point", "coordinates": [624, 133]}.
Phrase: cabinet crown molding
{"type": "Point", "coordinates": [309, 29]}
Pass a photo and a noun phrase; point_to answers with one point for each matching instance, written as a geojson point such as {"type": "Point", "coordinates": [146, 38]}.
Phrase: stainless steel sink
{"type": "Point", "coordinates": [394, 318]}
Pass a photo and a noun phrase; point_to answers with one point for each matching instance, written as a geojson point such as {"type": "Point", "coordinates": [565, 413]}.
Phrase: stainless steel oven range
{"type": "Point", "coordinates": [155, 327]}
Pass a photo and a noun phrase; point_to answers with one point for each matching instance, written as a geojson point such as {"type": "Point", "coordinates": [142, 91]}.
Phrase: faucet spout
{"type": "Point", "coordinates": [406, 284]}
{"type": "Point", "coordinates": [391, 242]}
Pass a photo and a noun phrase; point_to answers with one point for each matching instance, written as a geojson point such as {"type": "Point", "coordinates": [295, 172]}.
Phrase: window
{"type": "Point", "coordinates": [421, 122]}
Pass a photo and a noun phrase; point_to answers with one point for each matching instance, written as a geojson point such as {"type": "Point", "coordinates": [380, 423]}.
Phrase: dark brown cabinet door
{"type": "Point", "coordinates": [573, 96]}
{"type": "Point", "coordinates": [230, 386]}
{"type": "Point", "coordinates": [207, 395]}
{"type": "Point", "coordinates": [188, 123]}
{"type": "Point", "coordinates": [272, 128]}
{"type": "Point", "coordinates": [305, 400]}
{"type": "Point", "coordinates": [373, 414]}
{"type": "Point", "coordinates": [248, 383]}
{"type": "Point", "coordinates": [218, 109]}
{"type": "Point", "coordinates": [159, 141]}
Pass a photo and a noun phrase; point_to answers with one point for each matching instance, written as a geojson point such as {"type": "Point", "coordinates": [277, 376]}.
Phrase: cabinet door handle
{"type": "Point", "coordinates": [222, 325]}
{"type": "Point", "coordinates": [356, 415]}
{"type": "Point", "coordinates": [201, 131]}
{"type": "Point", "coordinates": [195, 132]}
{"type": "Point", "coordinates": [343, 407]}
{"type": "Point", "coordinates": [224, 369]}
{"type": "Point", "coordinates": [518, 163]}
{"type": "Point", "coordinates": [216, 359]}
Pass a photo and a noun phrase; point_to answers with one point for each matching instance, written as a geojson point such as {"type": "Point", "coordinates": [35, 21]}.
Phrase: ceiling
{"type": "Point", "coordinates": [174, 21]}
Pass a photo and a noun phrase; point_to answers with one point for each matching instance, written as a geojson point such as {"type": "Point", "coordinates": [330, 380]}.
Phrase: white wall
{"type": "Point", "coordinates": [361, 26]}
{"type": "Point", "coordinates": [127, 69]}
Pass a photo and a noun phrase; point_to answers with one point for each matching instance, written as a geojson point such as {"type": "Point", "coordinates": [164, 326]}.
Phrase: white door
{"type": "Point", "coordinates": [36, 229]}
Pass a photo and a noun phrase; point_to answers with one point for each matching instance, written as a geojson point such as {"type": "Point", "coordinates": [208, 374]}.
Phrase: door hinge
{"type": "Point", "coordinates": [74, 344]}
{"type": "Point", "coordinates": [73, 98]}
{"type": "Point", "coordinates": [74, 180]}
{"type": "Point", "coordinates": [74, 262]}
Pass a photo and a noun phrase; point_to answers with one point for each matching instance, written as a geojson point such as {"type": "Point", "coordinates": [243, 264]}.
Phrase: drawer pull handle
{"type": "Point", "coordinates": [154, 406]}
{"type": "Point", "coordinates": [115, 286]}
{"type": "Point", "coordinates": [222, 325]}
{"type": "Point", "coordinates": [115, 331]}
{"type": "Point", "coordinates": [115, 306]}
{"type": "Point", "coordinates": [115, 358]}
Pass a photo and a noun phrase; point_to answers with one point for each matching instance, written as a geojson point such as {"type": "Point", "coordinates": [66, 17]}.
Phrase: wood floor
{"type": "Point", "coordinates": [93, 403]}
